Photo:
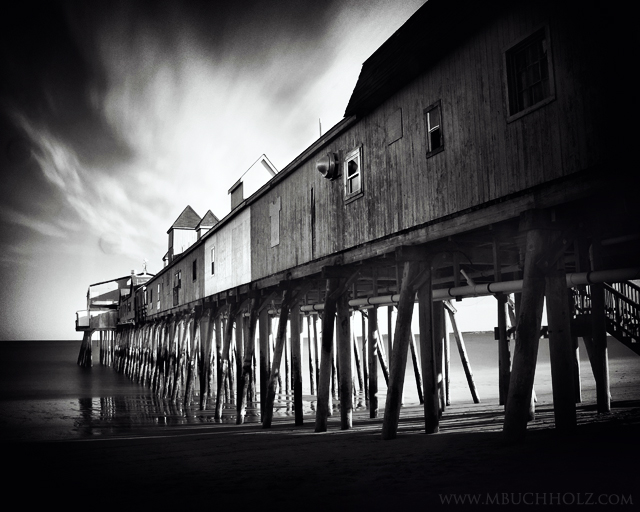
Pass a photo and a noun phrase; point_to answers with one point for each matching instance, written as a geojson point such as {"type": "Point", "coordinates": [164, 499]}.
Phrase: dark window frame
{"type": "Point", "coordinates": [194, 270]}
{"type": "Point", "coordinates": [515, 56]}
{"type": "Point", "coordinates": [433, 130]}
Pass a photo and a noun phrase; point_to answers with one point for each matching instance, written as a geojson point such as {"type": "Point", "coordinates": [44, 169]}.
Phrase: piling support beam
{"type": "Point", "coordinates": [263, 336]}
{"type": "Point", "coordinates": [599, 334]}
{"type": "Point", "coordinates": [527, 338]}
{"type": "Point", "coordinates": [296, 363]}
{"type": "Point", "coordinates": [249, 351]}
{"type": "Point", "coordinates": [462, 350]}
{"type": "Point", "coordinates": [439, 331]}
{"type": "Point", "coordinates": [561, 348]}
{"type": "Point", "coordinates": [326, 355]}
{"type": "Point", "coordinates": [277, 358]}
{"type": "Point", "coordinates": [372, 328]}
{"type": "Point", "coordinates": [428, 353]}
{"type": "Point", "coordinates": [204, 356]}
{"type": "Point", "coordinates": [400, 352]}
{"type": "Point", "coordinates": [224, 363]}
{"type": "Point", "coordinates": [345, 355]}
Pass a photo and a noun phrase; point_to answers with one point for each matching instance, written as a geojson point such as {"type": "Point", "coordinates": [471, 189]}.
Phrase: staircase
{"type": "Point", "coordinates": [622, 311]}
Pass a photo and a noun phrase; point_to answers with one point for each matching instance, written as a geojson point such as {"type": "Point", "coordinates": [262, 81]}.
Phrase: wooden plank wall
{"type": "Point", "coordinates": [485, 157]}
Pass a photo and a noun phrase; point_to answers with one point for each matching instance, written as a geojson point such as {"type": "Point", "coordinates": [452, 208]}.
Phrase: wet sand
{"type": "Point", "coordinates": [248, 467]}
{"type": "Point", "coordinates": [139, 463]}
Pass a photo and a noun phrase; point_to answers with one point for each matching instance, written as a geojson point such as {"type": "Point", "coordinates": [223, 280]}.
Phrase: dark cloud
{"type": "Point", "coordinates": [48, 81]}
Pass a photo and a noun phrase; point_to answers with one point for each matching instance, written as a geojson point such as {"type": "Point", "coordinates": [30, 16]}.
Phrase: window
{"type": "Point", "coordinates": [194, 270]}
{"type": "Point", "coordinates": [353, 173]}
{"type": "Point", "coordinates": [151, 296]}
{"type": "Point", "coordinates": [177, 284]}
{"type": "Point", "coordinates": [529, 76]}
{"type": "Point", "coordinates": [213, 261]}
{"type": "Point", "coordinates": [158, 303]}
{"type": "Point", "coordinates": [433, 121]}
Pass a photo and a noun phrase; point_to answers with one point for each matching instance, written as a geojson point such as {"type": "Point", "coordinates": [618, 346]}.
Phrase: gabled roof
{"type": "Point", "coordinates": [435, 28]}
{"type": "Point", "coordinates": [209, 220]}
{"type": "Point", "coordinates": [188, 219]}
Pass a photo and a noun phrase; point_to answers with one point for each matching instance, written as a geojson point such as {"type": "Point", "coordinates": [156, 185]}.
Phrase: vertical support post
{"type": "Point", "coordinates": [312, 353]}
{"type": "Point", "coordinates": [504, 355]}
{"type": "Point", "coordinates": [427, 354]}
{"type": "Point", "coordinates": [316, 349]}
{"type": "Point", "coordinates": [277, 359]}
{"type": "Point", "coordinates": [345, 355]}
{"type": "Point", "coordinates": [400, 352]}
{"type": "Point", "coordinates": [389, 333]}
{"type": "Point", "coordinates": [264, 356]}
{"type": "Point", "coordinates": [599, 331]}
{"type": "Point", "coordinates": [527, 339]}
{"type": "Point", "coordinates": [463, 352]}
{"type": "Point", "coordinates": [205, 357]}
{"type": "Point", "coordinates": [326, 357]}
{"type": "Point", "coordinates": [365, 357]}
{"type": "Point", "coordinates": [447, 364]}
{"type": "Point", "coordinates": [416, 368]}
{"type": "Point", "coordinates": [296, 363]}
{"type": "Point", "coordinates": [438, 331]}
{"type": "Point", "coordinates": [372, 336]}
{"type": "Point", "coordinates": [561, 349]}
{"type": "Point", "coordinates": [247, 369]}
{"type": "Point", "coordinates": [224, 363]}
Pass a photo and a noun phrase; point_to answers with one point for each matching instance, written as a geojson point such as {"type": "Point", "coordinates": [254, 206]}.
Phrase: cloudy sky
{"type": "Point", "coordinates": [115, 115]}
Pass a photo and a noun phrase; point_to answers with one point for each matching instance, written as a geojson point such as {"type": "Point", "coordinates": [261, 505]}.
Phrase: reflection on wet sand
{"type": "Point", "coordinates": [118, 414]}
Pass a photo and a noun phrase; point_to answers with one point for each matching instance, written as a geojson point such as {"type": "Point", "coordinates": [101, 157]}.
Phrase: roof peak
{"type": "Point", "coordinates": [188, 219]}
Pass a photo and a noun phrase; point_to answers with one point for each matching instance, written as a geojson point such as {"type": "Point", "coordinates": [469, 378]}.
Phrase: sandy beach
{"type": "Point", "coordinates": [90, 453]}
{"type": "Point", "coordinates": [294, 468]}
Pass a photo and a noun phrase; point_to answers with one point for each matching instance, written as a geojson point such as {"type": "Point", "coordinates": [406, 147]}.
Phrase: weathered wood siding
{"type": "Point", "coordinates": [182, 239]}
{"type": "Point", "coordinates": [485, 157]}
{"type": "Point", "coordinates": [232, 243]}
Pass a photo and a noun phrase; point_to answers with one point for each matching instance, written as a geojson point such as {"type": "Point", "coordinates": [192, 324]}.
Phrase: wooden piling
{"type": "Point", "coordinates": [192, 350]}
{"type": "Point", "coordinates": [439, 333]}
{"type": "Point", "coordinates": [84, 357]}
{"type": "Point", "coordinates": [400, 352]}
{"type": "Point", "coordinates": [241, 328]}
{"type": "Point", "coordinates": [311, 352]}
{"type": "Point", "coordinates": [527, 338]}
{"type": "Point", "coordinates": [372, 328]}
{"type": "Point", "coordinates": [365, 357]}
{"type": "Point", "coordinates": [249, 349]}
{"type": "Point", "coordinates": [428, 353]}
{"type": "Point", "coordinates": [345, 354]}
{"type": "Point", "coordinates": [416, 368]}
{"type": "Point", "coordinates": [204, 356]}
{"type": "Point", "coordinates": [316, 349]}
{"type": "Point", "coordinates": [382, 358]}
{"type": "Point", "coordinates": [224, 363]}
{"type": "Point", "coordinates": [561, 348]}
{"type": "Point", "coordinates": [462, 350]}
{"type": "Point", "coordinates": [326, 357]}
{"type": "Point", "coordinates": [263, 336]}
{"type": "Point", "coordinates": [447, 365]}
{"type": "Point", "coordinates": [277, 358]}
{"type": "Point", "coordinates": [504, 354]}
{"type": "Point", "coordinates": [296, 363]}
{"type": "Point", "coordinates": [599, 334]}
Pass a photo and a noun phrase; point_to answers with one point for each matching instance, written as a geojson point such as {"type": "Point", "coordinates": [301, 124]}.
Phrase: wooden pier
{"type": "Point", "coordinates": [475, 158]}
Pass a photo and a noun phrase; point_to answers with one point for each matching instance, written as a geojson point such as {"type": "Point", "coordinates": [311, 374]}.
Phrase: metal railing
{"type": "Point", "coordinates": [622, 308]}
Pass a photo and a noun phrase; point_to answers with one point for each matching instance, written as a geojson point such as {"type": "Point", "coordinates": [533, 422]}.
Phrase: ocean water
{"type": "Point", "coordinates": [45, 395]}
